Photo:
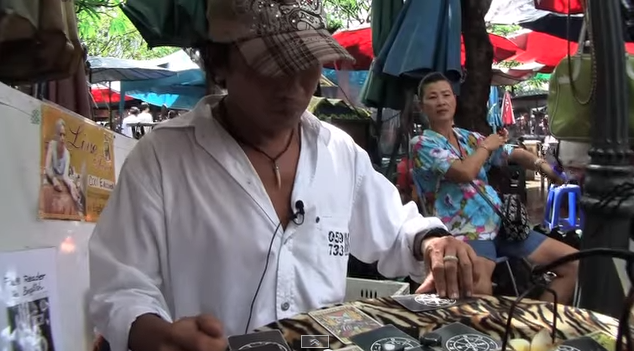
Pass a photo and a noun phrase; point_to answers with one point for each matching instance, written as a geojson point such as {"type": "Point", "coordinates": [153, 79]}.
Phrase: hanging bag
{"type": "Point", "coordinates": [572, 86]}
{"type": "Point", "coordinates": [515, 225]}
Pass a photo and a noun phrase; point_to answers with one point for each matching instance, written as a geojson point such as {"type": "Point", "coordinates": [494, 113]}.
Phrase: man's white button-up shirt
{"type": "Point", "coordinates": [187, 229]}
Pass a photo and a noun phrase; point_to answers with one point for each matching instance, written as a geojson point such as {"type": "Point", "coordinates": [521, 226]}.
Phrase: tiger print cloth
{"type": "Point", "coordinates": [486, 314]}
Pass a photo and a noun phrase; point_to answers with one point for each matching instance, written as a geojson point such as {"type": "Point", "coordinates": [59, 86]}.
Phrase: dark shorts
{"type": "Point", "coordinates": [496, 249]}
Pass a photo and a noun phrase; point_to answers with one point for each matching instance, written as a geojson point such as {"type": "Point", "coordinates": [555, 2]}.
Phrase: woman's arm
{"type": "Point", "coordinates": [529, 161]}
{"type": "Point", "coordinates": [467, 169]}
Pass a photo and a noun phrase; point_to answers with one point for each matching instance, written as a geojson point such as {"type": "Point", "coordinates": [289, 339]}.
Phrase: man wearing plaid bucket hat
{"type": "Point", "coordinates": [245, 210]}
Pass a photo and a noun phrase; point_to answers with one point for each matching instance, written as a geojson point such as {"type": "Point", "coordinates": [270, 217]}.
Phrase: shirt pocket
{"type": "Point", "coordinates": [333, 242]}
{"type": "Point", "coordinates": [333, 248]}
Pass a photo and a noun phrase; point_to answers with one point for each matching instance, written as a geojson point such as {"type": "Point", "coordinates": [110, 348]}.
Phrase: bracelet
{"type": "Point", "coordinates": [538, 165]}
{"type": "Point", "coordinates": [420, 237]}
{"type": "Point", "coordinates": [485, 148]}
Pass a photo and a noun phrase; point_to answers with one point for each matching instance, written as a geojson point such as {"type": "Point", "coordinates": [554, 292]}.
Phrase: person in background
{"type": "Point", "coordinates": [451, 162]}
{"type": "Point", "coordinates": [129, 121]}
{"type": "Point", "coordinates": [145, 116]}
{"type": "Point", "coordinates": [164, 113]}
{"type": "Point", "coordinates": [404, 181]}
{"type": "Point", "coordinates": [245, 210]}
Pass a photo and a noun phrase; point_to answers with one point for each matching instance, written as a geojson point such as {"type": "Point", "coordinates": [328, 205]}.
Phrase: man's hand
{"type": "Point", "coordinates": [453, 266]}
{"type": "Point", "coordinates": [201, 333]}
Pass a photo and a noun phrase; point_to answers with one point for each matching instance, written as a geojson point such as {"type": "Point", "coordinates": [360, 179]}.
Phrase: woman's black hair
{"type": "Point", "coordinates": [214, 57]}
{"type": "Point", "coordinates": [431, 78]}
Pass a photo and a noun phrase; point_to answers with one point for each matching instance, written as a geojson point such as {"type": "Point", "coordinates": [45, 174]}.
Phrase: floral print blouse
{"type": "Point", "coordinates": [463, 210]}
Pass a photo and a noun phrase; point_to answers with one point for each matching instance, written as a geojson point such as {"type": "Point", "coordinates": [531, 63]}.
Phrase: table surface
{"type": "Point", "coordinates": [486, 314]}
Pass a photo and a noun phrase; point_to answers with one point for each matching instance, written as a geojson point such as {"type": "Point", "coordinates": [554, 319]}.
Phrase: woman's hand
{"type": "Point", "coordinates": [453, 265]}
{"type": "Point", "coordinates": [550, 173]}
{"type": "Point", "coordinates": [493, 142]}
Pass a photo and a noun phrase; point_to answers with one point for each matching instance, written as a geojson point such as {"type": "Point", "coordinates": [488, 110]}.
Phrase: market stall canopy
{"type": "Point", "coordinates": [358, 42]}
{"type": "Point", "coordinates": [560, 6]}
{"type": "Point", "coordinates": [110, 69]}
{"type": "Point", "coordinates": [525, 14]}
{"type": "Point", "coordinates": [546, 49]}
{"type": "Point", "coordinates": [101, 94]}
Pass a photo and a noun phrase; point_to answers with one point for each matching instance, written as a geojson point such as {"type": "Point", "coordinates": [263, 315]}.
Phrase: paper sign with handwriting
{"type": "Point", "coordinates": [29, 308]}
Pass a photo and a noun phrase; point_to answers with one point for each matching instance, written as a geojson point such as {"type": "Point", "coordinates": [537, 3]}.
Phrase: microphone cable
{"type": "Point", "coordinates": [298, 219]}
{"type": "Point", "coordinates": [266, 266]}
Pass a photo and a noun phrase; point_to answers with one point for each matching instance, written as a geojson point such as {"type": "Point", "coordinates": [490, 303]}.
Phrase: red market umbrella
{"type": "Point", "coordinates": [560, 6]}
{"type": "Point", "coordinates": [546, 49]}
{"type": "Point", "coordinates": [101, 96]}
{"type": "Point", "coordinates": [507, 110]}
{"type": "Point", "coordinates": [358, 42]}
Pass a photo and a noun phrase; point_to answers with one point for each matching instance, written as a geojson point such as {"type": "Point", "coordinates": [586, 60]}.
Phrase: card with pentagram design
{"type": "Point", "coordinates": [459, 337]}
{"type": "Point", "coordinates": [428, 302]}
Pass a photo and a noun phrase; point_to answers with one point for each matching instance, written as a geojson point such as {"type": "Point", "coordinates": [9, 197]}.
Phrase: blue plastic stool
{"type": "Point", "coordinates": [556, 194]}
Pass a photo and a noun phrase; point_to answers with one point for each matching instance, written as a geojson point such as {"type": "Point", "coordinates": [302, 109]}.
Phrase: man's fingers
{"type": "Point", "coordinates": [466, 272]}
{"type": "Point", "coordinates": [427, 286]}
{"type": "Point", "coordinates": [209, 325]}
{"type": "Point", "coordinates": [451, 272]}
{"type": "Point", "coordinates": [477, 264]}
{"type": "Point", "coordinates": [438, 271]}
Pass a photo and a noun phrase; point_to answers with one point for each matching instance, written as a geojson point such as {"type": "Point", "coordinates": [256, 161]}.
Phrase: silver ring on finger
{"type": "Point", "coordinates": [450, 258]}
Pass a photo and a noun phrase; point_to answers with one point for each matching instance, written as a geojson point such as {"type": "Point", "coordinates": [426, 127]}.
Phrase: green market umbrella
{"type": "Point", "coordinates": [380, 90]}
{"type": "Point", "coordinates": [179, 23]}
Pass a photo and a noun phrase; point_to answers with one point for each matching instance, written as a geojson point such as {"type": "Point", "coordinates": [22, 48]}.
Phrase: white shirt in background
{"type": "Point", "coordinates": [126, 124]}
{"type": "Point", "coordinates": [188, 227]}
{"type": "Point", "coordinates": [145, 117]}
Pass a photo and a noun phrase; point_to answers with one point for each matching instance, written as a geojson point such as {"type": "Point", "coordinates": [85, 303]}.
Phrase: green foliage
{"type": "Point", "coordinates": [107, 32]}
{"type": "Point", "coordinates": [503, 29]}
{"type": "Point", "coordinates": [347, 13]}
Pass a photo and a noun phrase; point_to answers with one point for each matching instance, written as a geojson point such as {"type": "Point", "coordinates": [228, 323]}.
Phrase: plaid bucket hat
{"type": "Point", "coordinates": [275, 37]}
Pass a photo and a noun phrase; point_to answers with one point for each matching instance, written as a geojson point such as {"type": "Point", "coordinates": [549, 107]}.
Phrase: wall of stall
{"type": "Point", "coordinates": [21, 227]}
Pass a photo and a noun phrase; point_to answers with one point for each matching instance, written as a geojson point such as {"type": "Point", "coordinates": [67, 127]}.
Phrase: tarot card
{"type": "Point", "coordinates": [389, 335]}
{"type": "Point", "coordinates": [427, 302]}
{"type": "Point", "coordinates": [344, 322]}
{"type": "Point", "coordinates": [604, 339]}
{"type": "Point", "coordinates": [459, 337]}
{"type": "Point", "coordinates": [272, 338]}
{"type": "Point", "coordinates": [583, 343]}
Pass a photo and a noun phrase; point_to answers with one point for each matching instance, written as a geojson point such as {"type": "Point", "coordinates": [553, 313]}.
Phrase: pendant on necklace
{"type": "Point", "coordinates": [276, 169]}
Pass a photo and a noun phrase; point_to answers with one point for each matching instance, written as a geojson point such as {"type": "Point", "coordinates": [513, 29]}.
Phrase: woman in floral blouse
{"type": "Point", "coordinates": [448, 159]}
